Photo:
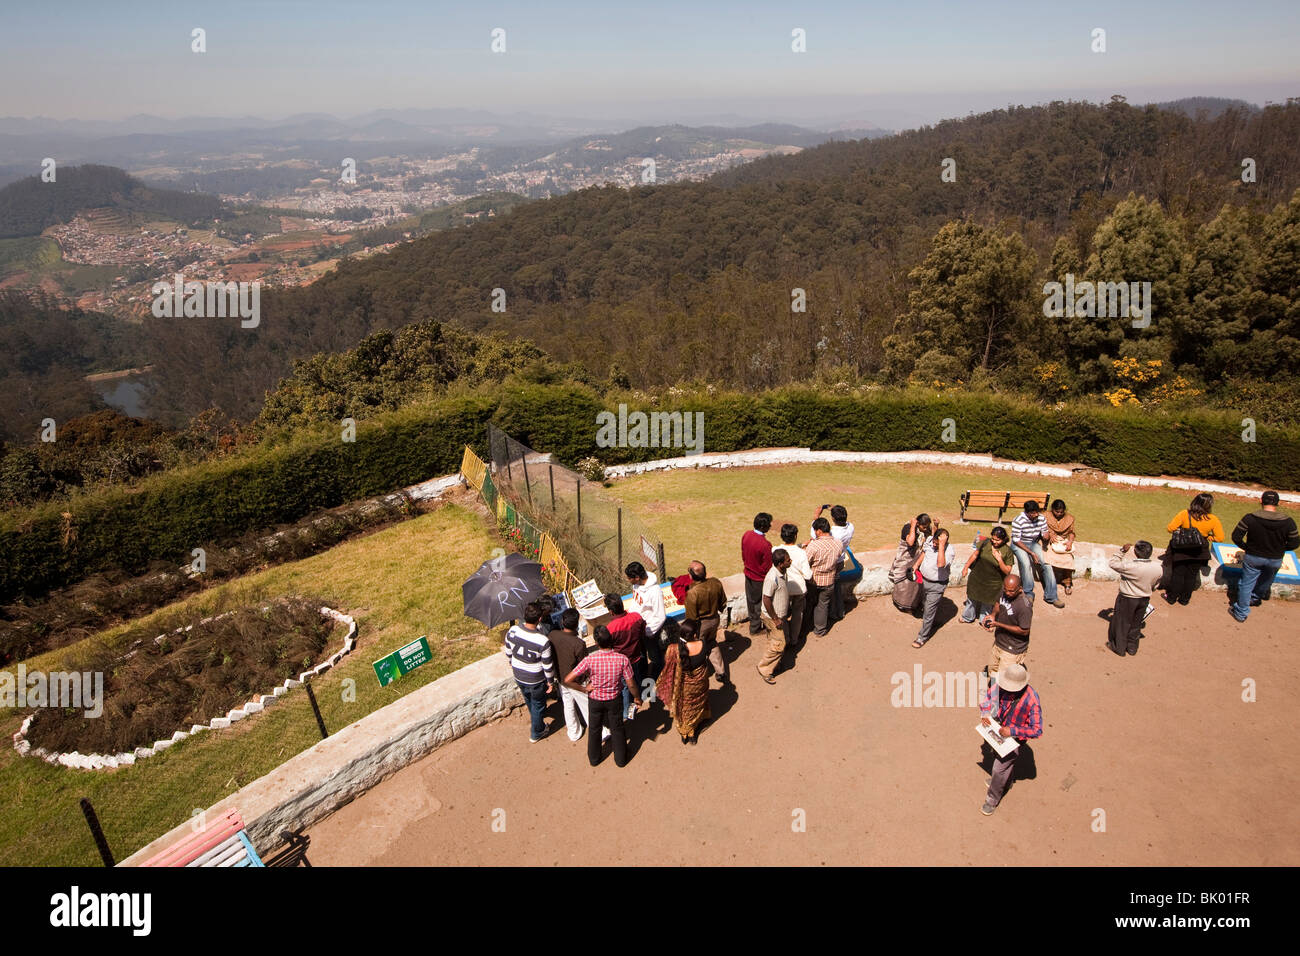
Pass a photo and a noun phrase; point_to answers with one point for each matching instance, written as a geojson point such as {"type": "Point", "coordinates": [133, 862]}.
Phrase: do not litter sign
{"type": "Point", "coordinates": [402, 661]}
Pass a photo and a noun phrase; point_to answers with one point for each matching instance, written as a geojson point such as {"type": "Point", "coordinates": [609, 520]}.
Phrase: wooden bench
{"type": "Point", "coordinates": [1002, 500]}
{"type": "Point", "coordinates": [226, 843]}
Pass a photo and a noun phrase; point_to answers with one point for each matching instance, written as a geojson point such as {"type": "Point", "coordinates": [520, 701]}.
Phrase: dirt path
{"type": "Point", "coordinates": [1184, 770]}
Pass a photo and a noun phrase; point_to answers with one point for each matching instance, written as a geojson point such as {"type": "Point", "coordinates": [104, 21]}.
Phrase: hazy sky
{"type": "Point", "coordinates": [103, 59]}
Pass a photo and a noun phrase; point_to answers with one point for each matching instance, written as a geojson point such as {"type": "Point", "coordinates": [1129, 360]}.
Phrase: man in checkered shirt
{"type": "Point", "coordinates": [824, 552]}
{"type": "Point", "coordinates": [607, 673]}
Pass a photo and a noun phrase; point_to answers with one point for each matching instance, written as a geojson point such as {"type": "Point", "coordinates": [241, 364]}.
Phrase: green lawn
{"type": "Point", "coordinates": [702, 513]}
{"type": "Point", "coordinates": [400, 583]}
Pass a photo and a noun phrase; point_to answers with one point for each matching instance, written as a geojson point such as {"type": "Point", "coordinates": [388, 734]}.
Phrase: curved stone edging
{"type": "Point", "coordinates": [82, 761]}
{"type": "Point", "coordinates": [806, 456]}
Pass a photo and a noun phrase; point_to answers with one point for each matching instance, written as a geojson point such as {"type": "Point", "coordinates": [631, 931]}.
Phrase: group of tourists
{"type": "Point", "coordinates": [1264, 537]}
{"type": "Point", "coordinates": [1000, 563]}
{"type": "Point", "coordinates": [791, 590]}
{"type": "Point", "coordinates": [999, 590]}
{"type": "Point", "coordinates": [997, 601]}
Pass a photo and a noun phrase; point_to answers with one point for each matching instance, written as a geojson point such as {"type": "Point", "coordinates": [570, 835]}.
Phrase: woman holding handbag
{"type": "Point", "coordinates": [902, 574]}
{"type": "Point", "coordinates": [1192, 531]}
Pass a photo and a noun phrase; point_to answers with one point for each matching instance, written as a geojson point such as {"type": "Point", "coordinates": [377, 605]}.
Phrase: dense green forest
{"type": "Point", "coordinates": [46, 351]}
{"type": "Point", "coordinates": [693, 281]}
{"type": "Point", "coordinates": [386, 371]}
{"type": "Point", "coordinates": [30, 206]}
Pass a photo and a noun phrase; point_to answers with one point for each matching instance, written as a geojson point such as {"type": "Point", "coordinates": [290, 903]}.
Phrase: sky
{"type": "Point", "coordinates": [647, 62]}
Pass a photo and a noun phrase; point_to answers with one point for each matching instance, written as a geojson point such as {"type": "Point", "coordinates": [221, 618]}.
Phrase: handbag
{"type": "Point", "coordinates": [905, 594]}
{"type": "Point", "coordinates": [1187, 539]}
{"type": "Point", "coordinates": [901, 569]}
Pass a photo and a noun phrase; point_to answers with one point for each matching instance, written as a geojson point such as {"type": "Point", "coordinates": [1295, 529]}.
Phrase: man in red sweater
{"type": "Point", "coordinates": [756, 553]}
{"type": "Point", "coordinates": [627, 630]}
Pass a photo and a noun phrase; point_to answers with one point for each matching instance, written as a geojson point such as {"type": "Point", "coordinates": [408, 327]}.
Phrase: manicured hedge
{"type": "Point", "coordinates": [1201, 444]}
{"type": "Point", "coordinates": [167, 515]}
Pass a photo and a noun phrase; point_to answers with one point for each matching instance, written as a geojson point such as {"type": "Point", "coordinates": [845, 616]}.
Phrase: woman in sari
{"type": "Point", "coordinates": [1059, 552]}
{"type": "Point", "coordinates": [684, 682]}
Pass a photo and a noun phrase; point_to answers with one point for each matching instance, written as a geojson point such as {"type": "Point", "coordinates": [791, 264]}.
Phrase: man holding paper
{"type": "Point", "coordinates": [1013, 707]}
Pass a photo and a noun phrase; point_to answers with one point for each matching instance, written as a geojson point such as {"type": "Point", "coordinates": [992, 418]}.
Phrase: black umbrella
{"type": "Point", "coordinates": [500, 588]}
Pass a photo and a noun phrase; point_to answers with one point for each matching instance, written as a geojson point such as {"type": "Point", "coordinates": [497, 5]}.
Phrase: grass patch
{"type": "Point", "coordinates": [702, 513]}
{"type": "Point", "coordinates": [400, 582]}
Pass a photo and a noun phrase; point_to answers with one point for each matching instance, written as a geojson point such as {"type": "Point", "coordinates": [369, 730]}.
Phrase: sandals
{"type": "Point", "coordinates": [919, 642]}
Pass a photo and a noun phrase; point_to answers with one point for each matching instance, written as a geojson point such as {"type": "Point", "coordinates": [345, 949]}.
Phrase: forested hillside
{"type": "Point", "coordinates": [30, 205]}
{"type": "Point", "coordinates": [46, 351]}
{"type": "Point", "coordinates": [694, 281]}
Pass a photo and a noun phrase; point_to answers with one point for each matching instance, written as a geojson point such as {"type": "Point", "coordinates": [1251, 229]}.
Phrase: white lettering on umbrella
{"type": "Point", "coordinates": [503, 597]}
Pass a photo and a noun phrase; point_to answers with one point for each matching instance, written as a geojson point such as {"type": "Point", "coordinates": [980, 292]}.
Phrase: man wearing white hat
{"type": "Point", "coordinates": [1015, 707]}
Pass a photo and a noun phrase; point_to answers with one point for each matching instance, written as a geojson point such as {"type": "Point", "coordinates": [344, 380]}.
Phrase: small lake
{"type": "Point", "coordinates": [124, 394]}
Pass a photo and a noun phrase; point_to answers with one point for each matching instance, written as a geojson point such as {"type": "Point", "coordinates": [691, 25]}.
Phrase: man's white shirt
{"type": "Point", "coordinates": [649, 600]}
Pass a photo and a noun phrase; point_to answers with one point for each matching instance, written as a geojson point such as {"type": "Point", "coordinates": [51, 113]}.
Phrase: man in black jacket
{"type": "Point", "coordinates": [1265, 536]}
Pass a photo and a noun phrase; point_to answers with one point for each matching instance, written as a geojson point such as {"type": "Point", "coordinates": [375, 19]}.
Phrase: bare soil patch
{"type": "Point", "coordinates": [155, 685]}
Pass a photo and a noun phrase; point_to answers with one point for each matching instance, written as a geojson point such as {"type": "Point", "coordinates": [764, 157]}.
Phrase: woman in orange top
{"type": "Point", "coordinates": [1186, 565]}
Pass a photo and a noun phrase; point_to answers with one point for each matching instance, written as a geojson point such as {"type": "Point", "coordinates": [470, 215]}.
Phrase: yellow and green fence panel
{"type": "Point", "coordinates": [548, 554]}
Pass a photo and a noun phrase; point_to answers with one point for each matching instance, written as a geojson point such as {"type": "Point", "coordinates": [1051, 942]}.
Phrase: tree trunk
{"type": "Point", "coordinates": [988, 342]}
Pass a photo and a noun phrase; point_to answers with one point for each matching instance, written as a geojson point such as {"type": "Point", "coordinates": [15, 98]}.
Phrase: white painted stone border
{"type": "Point", "coordinates": [81, 761]}
{"type": "Point", "coordinates": [433, 488]}
{"type": "Point", "coordinates": [429, 490]}
{"type": "Point", "coordinates": [1236, 491]}
{"type": "Point", "coordinates": [803, 456]}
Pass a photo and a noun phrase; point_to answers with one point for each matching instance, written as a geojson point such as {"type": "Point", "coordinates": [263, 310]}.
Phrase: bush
{"type": "Point", "coordinates": [168, 514]}
{"type": "Point", "coordinates": [214, 503]}
{"type": "Point", "coordinates": [101, 600]}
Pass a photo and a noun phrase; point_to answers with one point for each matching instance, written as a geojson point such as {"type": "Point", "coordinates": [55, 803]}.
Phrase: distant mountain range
{"type": "Point", "coordinates": [1211, 106]}
{"type": "Point", "coordinates": [431, 125]}
{"type": "Point", "coordinates": [142, 141]}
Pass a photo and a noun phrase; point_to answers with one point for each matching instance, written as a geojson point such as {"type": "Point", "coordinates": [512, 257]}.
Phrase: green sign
{"type": "Point", "coordinates": [402, 661]}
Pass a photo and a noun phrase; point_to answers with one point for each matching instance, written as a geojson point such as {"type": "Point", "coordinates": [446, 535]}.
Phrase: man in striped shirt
{"type": "Point", "coordinates": [1027, 531]}
{"type": "Point", "coordinates": [608, 674]}
{"type": "Point", "coordinates": [533, 664]}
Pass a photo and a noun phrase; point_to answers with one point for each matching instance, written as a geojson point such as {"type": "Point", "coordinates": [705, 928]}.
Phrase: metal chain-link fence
{"type": "Point", "coordinates": [597, 534]}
